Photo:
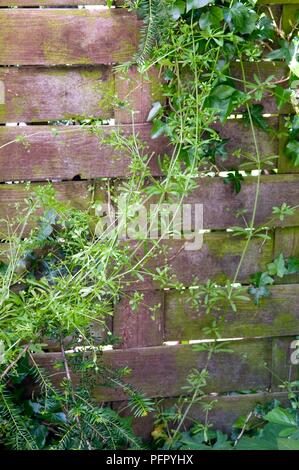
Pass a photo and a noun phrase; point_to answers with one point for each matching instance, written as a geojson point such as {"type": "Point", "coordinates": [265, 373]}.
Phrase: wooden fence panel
{"type": "Point", "coordinates": [63, 71]}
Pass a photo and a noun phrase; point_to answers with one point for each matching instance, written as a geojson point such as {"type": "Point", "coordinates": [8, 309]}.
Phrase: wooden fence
{"type": "Point", "coordinates": [56, 64]}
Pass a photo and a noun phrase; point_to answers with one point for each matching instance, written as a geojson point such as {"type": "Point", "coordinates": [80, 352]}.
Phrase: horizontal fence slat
{"type": "Point", "coordinates": [277, 315]}
{"type": "Point", "coordinates": [220, 204]}
{"type": "Point", "coordinates": [37, 94]}
{"type": "Point", "coordinates": [46, 152]}
{"type": "Point", "coordinates": [224, 413]}
{"type": "Point", "coordinates": [23, 3]}
{"type": "Point", "coordinates": [162, 371]}
{"type": "Point", "coordinates": [41, 94]}
{"type": "Point", "coordinates": [216, 259]}
{"type": "Point", "coordinates": [66, 36]}
{"type": "Point", "coordinates": [63, 152]}
{"type": "Point", "coordinates": [221, 207]}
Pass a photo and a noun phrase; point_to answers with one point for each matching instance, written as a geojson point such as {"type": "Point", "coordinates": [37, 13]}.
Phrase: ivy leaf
{"type": "Point", "coordinates": [293, 265]}
{"type": "Point", "coordinates": [292, 151]}
{"type": "Point", "coordinates": [277, 267]}
{"type": "Point", "coordinates": [177, 10]}
{"type": "Point", "coordinates": [281, 416]}
{"type": "Point", "coordinates": [235, 179]}
{"type": "Point", "coordinates": [195, 4]}
{"type": "Point", "coordinates": [261, 279]}
{"type": "Point", "coordinates": [211, 19]}
{"type": "Point", "coordinates": [158, 129]}
{"type": "Point", "coordinates": [222, 92]}
{"type": "Point", "coordinates": [257, 117]}
{"type": "Point", "coordinates": [241, 19]}
{"type": "Point", "coordinates": [258, 293]}
{"type": "Point", "coordinates": [40, 433]}
{"type": "Point", "coordinates": [154, 111]}
{"type": "Point", "coordinates": [282, 95]}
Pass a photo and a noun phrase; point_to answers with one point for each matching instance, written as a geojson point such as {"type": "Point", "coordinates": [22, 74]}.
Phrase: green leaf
{"type": "Point", "coordinates": [281, 416]}
{"type": "Point", "coordinates": [194, 4]}
{"type": "Point", "coordinates": [257, 117]}
{"type": "Point", "coordinates": [235, 179]}
{"type": "Point", "coordinates": [211, 19]}
{"type": "Point", "coordinates": [222, 92]}
{"type": "Point", "coordinates": [293, 265]}
{"type": "Point", "coordinates": [282, 95]}
{"type": "Point", "coordinates": [40, 433]}
{"type": "Point", "coordinates": [178, 9]}
{"type": "Point", "coordinates": [241, 18]}
{"type": "Point", "coordinates": [258, 293]}
{"type": "Point", "coordinates": [292, 151]}
{"type": "Point", "coordinates": [277, 267]}
{"type": "Point", "coordinates": [158, 129]}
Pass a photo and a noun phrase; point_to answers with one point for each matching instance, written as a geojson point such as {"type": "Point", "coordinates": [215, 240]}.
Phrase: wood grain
{"type": "Point", "coordinates": [143, 326]}
{"type": "Point", "coordinates": [221, 207]}
{"type": "Point", "coordinates": [224, 413]}
{"type": "Point", "coordinates": [277, 315]}
{"type": "Point", "coordinates": [217, 259]}
{"type": "Point", "coordinates": [63, 152]}
{"type": "Point", "coordinates": [66, 36]}
{"type": "Point", "coordinates": [162, 371]}
{"type": "Point", "coordinates": [46, 152]}
{"type": "Point", "coordinates": [39, 94]}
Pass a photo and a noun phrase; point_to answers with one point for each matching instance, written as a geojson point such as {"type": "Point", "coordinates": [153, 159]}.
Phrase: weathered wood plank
{"type": "Point", "coordinates": [240, 138]}
{"type": "Point", "coordinates": [63, 152]}
{"type": "Point", "coordinates": [44, 152]}
{"type": "Point", "coordinates": [162, 371]}
{"type": "Point", "coordinates": [66, 36]}
{"type": "Point", "coordinates": [277, 315]}
{"type": "Point", "coordinates": [27, 3]}
{"type": "Point", "coordinates": [217, 259]}
{"type": "Point", "coordinates": [221, 207]}
{"type": "Point", "coordinates": [143, 327]}
{"type": "Point", "coordinates": [37, 94]}
{"type": "Point", "coordinates": [219, 203]}
{"type": "Point", "coordinates": [226, 410]}
{"type": "Point", "coordinates": [137, 92]}
{"type": "Point", "coordinates": [286, 241]}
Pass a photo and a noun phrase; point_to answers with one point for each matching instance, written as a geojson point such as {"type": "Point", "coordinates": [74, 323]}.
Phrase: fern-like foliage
{"type": "Point", "coordinates": [154, 14]}
{"type": "Point", "coordinates": [14, 433]}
